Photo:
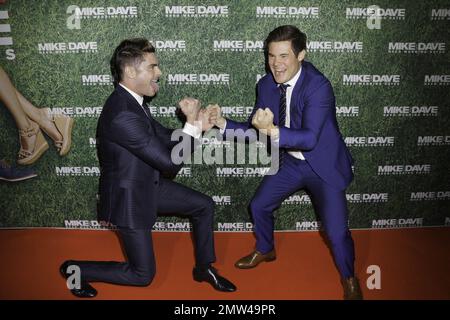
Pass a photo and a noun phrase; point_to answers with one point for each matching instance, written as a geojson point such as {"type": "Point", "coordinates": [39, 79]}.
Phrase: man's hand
{"type": "Point", "coordinates": [207, 118]}
{"type": "Point", "coordinates": [190, 107]}
{"type": "Point", "coordinates": [263, 121]}
{"type": "Point", "coordinates": [219, 119]}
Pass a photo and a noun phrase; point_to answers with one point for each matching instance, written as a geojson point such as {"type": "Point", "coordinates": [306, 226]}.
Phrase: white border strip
{"type": "Point", "coordinates": [5, 28]}
{"type": "Point", "coordinates": [4, 14]}
{"type": "Point", "coordinates": [6, 41]}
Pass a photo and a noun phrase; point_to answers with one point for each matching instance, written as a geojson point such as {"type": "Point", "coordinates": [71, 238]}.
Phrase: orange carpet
{"type": "Point", "coordinates": [414, 264]}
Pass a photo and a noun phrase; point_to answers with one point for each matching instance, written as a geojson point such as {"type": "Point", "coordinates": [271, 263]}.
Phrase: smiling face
{"type": "Point", "coordinates": [282, 61]}
{"type": "Point", "coordinates": [144, 76]}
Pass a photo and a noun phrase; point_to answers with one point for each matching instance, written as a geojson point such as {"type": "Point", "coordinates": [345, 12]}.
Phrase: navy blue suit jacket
{"type": "Point", "coordinates": [133, 150]}
{"type": "Point", "coordinates": [313, 129]}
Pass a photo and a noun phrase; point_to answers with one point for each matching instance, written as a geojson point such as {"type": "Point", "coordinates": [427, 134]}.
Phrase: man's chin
{"type": "Point", "coordinates": [279, 80]}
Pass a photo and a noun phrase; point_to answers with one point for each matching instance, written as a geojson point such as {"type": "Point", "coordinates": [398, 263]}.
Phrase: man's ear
{"type": "Point", "coordinates": [129, 72]}
{"type": "Point", "coordinates": [301, 55]}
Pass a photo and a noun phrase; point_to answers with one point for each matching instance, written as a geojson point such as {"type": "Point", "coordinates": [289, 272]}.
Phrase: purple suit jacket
{"type": "Point", "coordinates": [314, 129]}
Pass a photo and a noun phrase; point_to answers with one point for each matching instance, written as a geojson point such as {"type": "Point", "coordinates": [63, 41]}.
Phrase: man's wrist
{"type": "Point", "coordinates": [221, 123]}
{"type": "Point", "coordinates": [270, 130]}
{"type": "Point", "coordinates": [274, 132]}
{"type": "Point", "coordinates": [191, 120]}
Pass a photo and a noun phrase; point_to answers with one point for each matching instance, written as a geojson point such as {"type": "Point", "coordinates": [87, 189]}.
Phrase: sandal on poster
{"type": "Point", "coordinates": [27, 156]}
{"type": "Point", "coordinates": [63, 125]}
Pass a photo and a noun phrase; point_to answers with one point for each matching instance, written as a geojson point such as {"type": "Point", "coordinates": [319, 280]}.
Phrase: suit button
{"type": "Point", "coordinates": [156, 182]}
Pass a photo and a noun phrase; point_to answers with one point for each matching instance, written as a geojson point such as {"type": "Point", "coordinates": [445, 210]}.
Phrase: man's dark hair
{"type": "Point", "coordinates": [287, 33]}
{"type": "Point", "coordinates": [128, 52]}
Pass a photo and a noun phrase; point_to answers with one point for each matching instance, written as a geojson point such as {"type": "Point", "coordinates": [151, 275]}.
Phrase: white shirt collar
{"type": "Point", "coordinates": [138, 98]}
{"type": "Point", "coordinates": [293, 81]}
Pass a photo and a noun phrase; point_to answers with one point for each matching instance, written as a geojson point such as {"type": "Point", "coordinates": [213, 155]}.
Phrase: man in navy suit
{"type": "Point", "coordinates": [296, 107]}
{"type": "Point", "coordinates": [135, 154]}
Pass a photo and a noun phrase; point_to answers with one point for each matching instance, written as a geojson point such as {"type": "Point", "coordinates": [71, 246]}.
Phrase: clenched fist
{"type": "Point", "coordinates": [219, 120]}
{"type": "Point", "coordinates": [190, 108]}
{"type": "Point", "coordinates": [263, 121]}
{"type": "Point", "coordinates": [207, 118]}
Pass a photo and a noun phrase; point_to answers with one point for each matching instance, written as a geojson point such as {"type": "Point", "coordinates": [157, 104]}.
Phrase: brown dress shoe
{"type": "Point", "coordinates": [254, 258]}
{"type": "Point", "coordinates": [352, 290]}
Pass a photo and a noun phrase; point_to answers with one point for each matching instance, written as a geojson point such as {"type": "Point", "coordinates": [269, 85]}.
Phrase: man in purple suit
{"type": "Point", "coordinates": [296, 107]}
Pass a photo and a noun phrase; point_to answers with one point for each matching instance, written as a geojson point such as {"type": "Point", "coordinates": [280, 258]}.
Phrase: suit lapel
{"type": "Point", "coordinates": [133, 103]}
{"type": "Point", "coordinates": [296, 103]}
{"type": "Point", "coordinates": [272, 94]}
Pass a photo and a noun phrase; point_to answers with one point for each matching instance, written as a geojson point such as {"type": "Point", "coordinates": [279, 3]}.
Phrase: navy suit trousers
{"type": "Point", "coordinates": [140, 267]}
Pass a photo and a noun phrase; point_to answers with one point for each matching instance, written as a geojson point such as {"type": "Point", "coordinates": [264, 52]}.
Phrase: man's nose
{"type": "Point", "coordinates": [275, 62]}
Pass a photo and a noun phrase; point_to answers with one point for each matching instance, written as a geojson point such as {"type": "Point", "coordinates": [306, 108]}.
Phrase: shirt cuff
{"type": "Point", "coordinates": [191, 130]}
{"type": "Point", "coordinates": [276, 141]}
{"type": "Point", "coordinates": [222, 131]}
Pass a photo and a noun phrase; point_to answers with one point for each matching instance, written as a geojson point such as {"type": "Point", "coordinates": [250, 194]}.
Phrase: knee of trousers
{"type": "Point", "coordinates": [208, 205]}
{"type": "Point", "coordinates": [143, 279]}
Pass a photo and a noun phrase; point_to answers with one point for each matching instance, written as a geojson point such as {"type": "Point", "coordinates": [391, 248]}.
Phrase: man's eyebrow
{"type": "Point", "coordinates": [281, 54]}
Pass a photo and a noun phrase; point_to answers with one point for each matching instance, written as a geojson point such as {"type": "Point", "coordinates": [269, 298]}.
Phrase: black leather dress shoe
{"type": "Point", "coordinates": [85, 290]}
{"type": "Point", "coordinates": [211, 276]}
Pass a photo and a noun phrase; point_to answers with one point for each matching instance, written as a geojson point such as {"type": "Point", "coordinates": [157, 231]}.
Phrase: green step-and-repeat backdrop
{"type": "Point", "coordinates": [388, 61]}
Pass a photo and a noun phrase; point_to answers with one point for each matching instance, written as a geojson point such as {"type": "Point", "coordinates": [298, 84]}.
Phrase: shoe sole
{"type": "Point", "coordinates": [201, 280]}
{"type": "Point", "coordinates": [19, 179]}
{"type": "Point", "coordinates": [254, 266]}
{"type": "Point", "coordinates": [36, 155]}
